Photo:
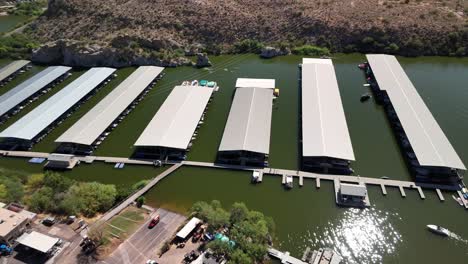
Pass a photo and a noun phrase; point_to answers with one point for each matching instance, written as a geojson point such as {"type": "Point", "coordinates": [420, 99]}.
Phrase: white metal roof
{"type": "Point", "coordinates": [11, 68]}
{"type": "Point", "coordinates": [15, 96]}
{"type": "Point", "coordinates": [95, 122]}
{"type": "Point", "coordinates": [257, 83]}
{"type": "Point", "coordinates": [30, 125]}
{"type": "Point", "coordinates": [189, 227]}
{"type": "Point", "coordinates": [431, 146]}
{"type": "Point", "coordinates": [353, 189]}
{"type": "Point", "coordinates": [38, 241]}
{"type": "Point", "coordinates": [176, 120]}
{"type": "Point", "coordinates": [249, 122]}
{"type": "Point", "coordinates": [324, 128]}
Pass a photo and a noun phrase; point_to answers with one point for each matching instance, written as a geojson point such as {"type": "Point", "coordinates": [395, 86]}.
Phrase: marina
{"type": "Point", "coordinates": [184, 111]}
{"type": "Point", "coordinates": [246, 136]}
{"type": "Point", "coordinates": [326, 144]}
{"type": "Point", "coordinates": [89, 132]}
{"type": "Point", "coordinates": [30, 129]}
{"type": "Point", "coordinates": [10, 71]}
{"type": "Point", "coordinates": [16, 99]}
{"type": "Point", "coordinates": [429, 154]}
{"type": "Point", "coordinates": [275, 162]}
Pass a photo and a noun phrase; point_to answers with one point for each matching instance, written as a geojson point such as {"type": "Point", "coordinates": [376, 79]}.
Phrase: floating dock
{"type": "Point", "coordinates": [428, 152]}
{"type": "Point", "coordinates": [326, 144]}
{"type": "Point", "coordinates": [321, 256]}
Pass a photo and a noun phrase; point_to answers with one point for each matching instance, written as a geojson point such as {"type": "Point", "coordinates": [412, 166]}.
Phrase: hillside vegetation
{"type": "Point", "coordinates": [407, 27]}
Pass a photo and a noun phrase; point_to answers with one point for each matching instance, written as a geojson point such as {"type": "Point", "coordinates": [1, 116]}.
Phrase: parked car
{"type": "Point", "coordinates": [150, 261]}
{"type": "Point", "coordinates": [49, 221]}
{"type": "Point", "coordinates": [154, 222]}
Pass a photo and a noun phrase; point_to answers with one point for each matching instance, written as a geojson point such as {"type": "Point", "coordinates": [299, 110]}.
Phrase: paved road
{"type": "Point", "coordinates": [145, 243]}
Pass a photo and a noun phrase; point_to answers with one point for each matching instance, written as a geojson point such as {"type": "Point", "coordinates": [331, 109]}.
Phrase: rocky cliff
{"type": "Point", "coordinates": [144, 31]}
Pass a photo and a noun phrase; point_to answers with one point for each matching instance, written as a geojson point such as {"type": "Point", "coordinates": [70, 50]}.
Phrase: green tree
{"type": "Point", "coordinates": [239, 257]}
{"type": "Point", "coordinates": [14, 186]}
{"type": "Point", "coordinates": [3, 192]}
{"type": "Point", "coordinates": [42, 200]}
{"type": "Point", "coordinates": [35, 181]}
{"type": "Point", "coordinates": [57, 182]}
{"type": "Point", "coordinates": [461, 51]}
{"type": "Point", "coordinates": [140, 201]}
{"type": "Point", "coordinates": [94, 197]}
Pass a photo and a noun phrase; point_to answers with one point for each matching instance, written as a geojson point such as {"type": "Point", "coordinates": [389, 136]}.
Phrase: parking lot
{"type": "Point", "coordinates": [145, 243]}
{"type": "Point", "coordinates": [23, 255]}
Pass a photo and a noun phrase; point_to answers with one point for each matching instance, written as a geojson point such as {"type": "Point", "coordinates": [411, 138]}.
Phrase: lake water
{"type": "Point", "coordinates": [8, 23]}
{"type": "Point", "coordinates": [392, 231]}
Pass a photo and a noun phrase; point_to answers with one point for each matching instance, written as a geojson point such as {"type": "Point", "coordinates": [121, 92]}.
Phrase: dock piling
{"type": "Point", "coordinates": [384, 190]}
{"type": "Point", "coordinates": [402, 191]}
{"type": "Point", "coordinates": [421, 193]}
{"type": "Point", "coordinates": [441, 196]}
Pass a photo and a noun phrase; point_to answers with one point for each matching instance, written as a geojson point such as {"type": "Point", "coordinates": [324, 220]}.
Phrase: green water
{"type": "Point", "coordinates": [8, 23]}
{"type": "Point", "coordinates": [391, 232]}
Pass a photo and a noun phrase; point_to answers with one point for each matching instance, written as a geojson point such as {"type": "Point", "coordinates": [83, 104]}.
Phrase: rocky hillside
{"type": "Point", "coordinates": [158, 29]}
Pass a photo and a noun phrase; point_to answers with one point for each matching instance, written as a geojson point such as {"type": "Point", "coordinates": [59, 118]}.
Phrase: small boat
{"type": "Point", "coordinates": [384, 178]}
{"type": "Point", "coordinates": [365, 97]}
{"type": "Point", "coordinates": [255, 176]}
{"type": "Point", "coordinates": [438, 230]}
{"type": "Point", "coordinates": [289, 182]}
{"type": "Point", "coordinates": [366, 85]}
{"type": "Point", "coordinates": [458, 200]}
{"type": "Point", "coordinates": [362, 66]}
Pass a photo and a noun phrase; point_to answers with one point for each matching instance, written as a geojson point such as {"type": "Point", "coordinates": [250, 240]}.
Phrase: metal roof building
{"type": "Point", "coordinates": [95, 122]}
{"type": "Point", "coordinates": [256, 83]}
{"type": "Point", "coordinates": [17, 95]}
{"type": "Point", "coordinates": [324, 128]}
{"type": "Point", "coordinates": [188, 228]}
{"type": "Point", "coordinates": [176, 120]}
{"type": "Point", "coordinates": [38, 241]}
{"type": "Point", "coordinates": [249, 122]}
{"type": "Point", "coordinates": [32, 124]}
{"type": "Point", "coordinates": [430, 145]}
{"type": "Point", "coordinates": [11, 68]}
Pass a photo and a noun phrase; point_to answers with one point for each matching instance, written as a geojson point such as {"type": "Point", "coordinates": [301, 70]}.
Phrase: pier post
{"type": "Point", "coordinates": [402, 191]}
{"type": "Point", "coordinates": [441, 197]}
{"type": "Point", "coordinates": [384, 190]}
{"type": "Point", "coordinates": [421, 193]}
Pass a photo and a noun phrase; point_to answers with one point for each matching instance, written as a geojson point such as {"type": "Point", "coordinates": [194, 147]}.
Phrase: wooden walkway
{"type": "Point", "coordinates": [117, 209]}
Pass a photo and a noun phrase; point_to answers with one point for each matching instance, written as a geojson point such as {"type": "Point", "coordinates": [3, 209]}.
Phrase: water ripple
{"type": "Point", "coordinates": [360, 236]}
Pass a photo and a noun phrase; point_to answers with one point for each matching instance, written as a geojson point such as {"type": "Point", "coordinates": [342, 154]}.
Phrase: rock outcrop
{"type": "Point", "coordinates": [202, 60]}
{"type": "Point", "coordinates": [271, 52]}
{"type": "Point", "coordinates": [79, 54]}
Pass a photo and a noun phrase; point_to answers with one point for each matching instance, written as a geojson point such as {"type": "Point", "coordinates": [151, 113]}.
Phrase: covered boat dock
{"type": "Point", "coordinates": [15, 99]}
{"type": "Point", "coordinates": [326, 144]}
{"type": "Point", "coordinates": [88, 133]}
{"type": "Point", "coordinates": [170, 133]}
{"type": "Point", "coordinates": [32, 127]}
{"type": "Point", "coordinates": [246, 137]}
{"type": "Point", "coordinates": [10, 71]}
{"type": "Point", "coordinates": [428, 152]}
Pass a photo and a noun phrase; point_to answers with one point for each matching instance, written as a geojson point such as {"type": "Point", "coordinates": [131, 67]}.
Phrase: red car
{"type": "Point", "coordinates": [153, 222]}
